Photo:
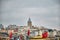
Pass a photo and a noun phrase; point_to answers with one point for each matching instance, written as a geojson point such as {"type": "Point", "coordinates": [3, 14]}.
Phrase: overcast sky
{"type": "Point", "coordinates": [42, 12]}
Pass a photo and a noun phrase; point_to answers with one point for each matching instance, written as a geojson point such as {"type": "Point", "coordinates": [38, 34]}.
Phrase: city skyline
{"type": "Point", "coordinates": [42, 12]}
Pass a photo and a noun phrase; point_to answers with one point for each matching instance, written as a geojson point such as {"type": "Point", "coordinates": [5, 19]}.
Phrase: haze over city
{"type": "Point", "coordinates": [42, 12]}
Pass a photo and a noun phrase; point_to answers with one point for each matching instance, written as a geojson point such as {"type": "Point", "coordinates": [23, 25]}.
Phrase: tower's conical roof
{"type": "Point", "coordinates": [29, 20]}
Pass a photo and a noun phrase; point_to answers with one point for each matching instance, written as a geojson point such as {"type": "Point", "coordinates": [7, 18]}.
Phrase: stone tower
{"type": "Point", "coordinates": [29, 23]}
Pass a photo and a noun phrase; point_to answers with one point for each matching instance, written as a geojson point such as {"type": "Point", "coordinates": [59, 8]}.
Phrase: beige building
{"type": "Point", "coordinates": [34, 30]}
{"type": "Point", "coordinates": [58, 33]}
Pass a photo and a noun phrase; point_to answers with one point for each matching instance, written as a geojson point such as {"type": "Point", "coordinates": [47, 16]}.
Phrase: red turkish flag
{"type": "Point", "coordinates": [10, 35]}
{"type": "Point", "coordinates": [21, 37]}
{"type": "Point", "coordinates": [45, 35]}
{"type": "Point", "coordinates": [28, 32]}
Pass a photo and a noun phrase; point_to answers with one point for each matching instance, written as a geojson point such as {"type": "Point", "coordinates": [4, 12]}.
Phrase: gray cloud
{"type": "Point", "coordinates": [42, 12]}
